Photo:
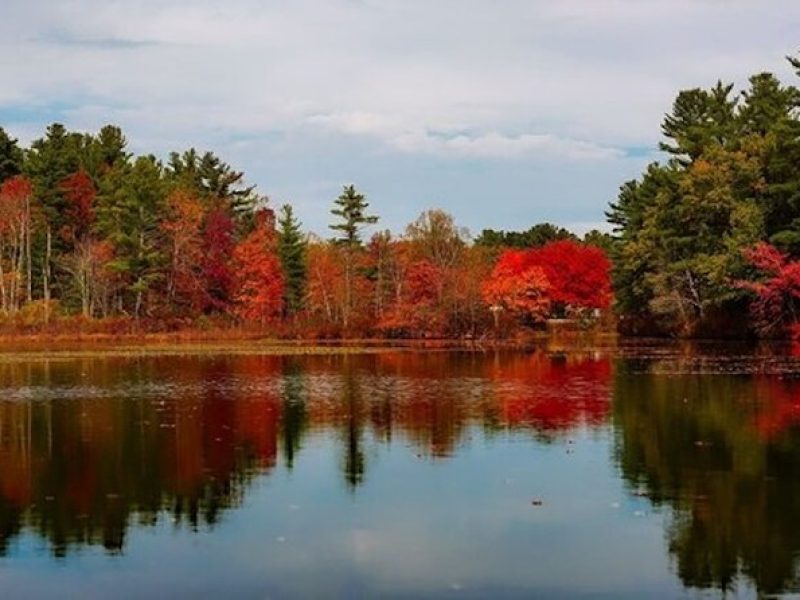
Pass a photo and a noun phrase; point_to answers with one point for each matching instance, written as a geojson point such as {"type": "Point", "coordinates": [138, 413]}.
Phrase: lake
{"type": "Point", "coordinates": [638, 471]}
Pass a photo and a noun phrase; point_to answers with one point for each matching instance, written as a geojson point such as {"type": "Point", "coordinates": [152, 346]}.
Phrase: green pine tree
{"type": "Point", "coordinates": [351, 208]}
{"type": "Point", "coordinates": [292, 253]}
{"type": "Point", "coordinates": [212, 179]}
{"type": "Point", "coordinates": [131, 204]}
{"type": "Point", "coordinates": [10, 156]}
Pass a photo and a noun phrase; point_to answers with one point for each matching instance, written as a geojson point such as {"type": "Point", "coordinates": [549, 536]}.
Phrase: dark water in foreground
{"type": "Point", "coordinates": [647, 473]}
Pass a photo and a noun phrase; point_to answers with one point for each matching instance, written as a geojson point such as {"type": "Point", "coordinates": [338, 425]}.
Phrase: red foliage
{"type": "Point", "coordinates": [558, 393]}
{"type": "Point", "coordinates": [778, 407]}
{"type": "Point", "coordinates": [422, 280]}
{"type": "Point", "coordinates": [518, 286]}
{"type": "Point", "coordinates": [774, 306]}
{"type": "Point", "coordinates": [14, 193]}
{"type": "Point", "coordinates": [415, 310]}
{"type": "Point", "coordinates": [217, 251]}
{"type": "Point", "coordinates": [18, 187]}
{"type": "Point", "coordinates": [579, 274]}
{"type": "Point", "coordinates": [258, 280]}
{"type": "Point", "coordinates": [565, 273]}
{"type": "Point", "coordinates": [80, 193]}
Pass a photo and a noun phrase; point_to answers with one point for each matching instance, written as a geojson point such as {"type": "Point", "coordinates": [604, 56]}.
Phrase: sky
{"type": "Point", "coordinates": [504, 113]}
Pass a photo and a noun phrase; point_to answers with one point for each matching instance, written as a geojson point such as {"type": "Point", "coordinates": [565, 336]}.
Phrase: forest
{"type": "Point", "coordinates": [704, 243]}
{"type": "Point", "coordinates": [94, 239]}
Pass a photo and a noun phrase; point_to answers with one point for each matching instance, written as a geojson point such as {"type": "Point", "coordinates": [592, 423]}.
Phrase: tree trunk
{"type": "Point", "coordinates": [21, 261]}
{"type": "Point", "coordinates": [348, 277]}
{"type": "Point", "coordinates": [3, 296]}
{"type": "Point", "coordinates": [138, 304]}
{"type": "Point", "coordinates": [29, 270]}
{"type": "Point", "coordinates": [46, 277]}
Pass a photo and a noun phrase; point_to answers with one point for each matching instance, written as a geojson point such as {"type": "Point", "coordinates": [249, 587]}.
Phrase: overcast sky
{"type": "Point", "coordinates": [503, 112]}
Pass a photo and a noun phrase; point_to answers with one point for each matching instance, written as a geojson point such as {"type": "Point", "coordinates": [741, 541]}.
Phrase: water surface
{"type": "Point", "coordinates": [634, 472]}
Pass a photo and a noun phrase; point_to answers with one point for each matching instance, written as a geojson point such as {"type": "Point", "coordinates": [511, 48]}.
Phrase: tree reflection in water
{"type": "Point", "coordinates": [90, 448]}
{"type": "Point", "coordinates": [723, 453]}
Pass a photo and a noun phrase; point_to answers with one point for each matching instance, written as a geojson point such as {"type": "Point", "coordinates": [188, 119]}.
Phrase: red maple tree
{"type": "Point", "coordinates": [217, 250]}
{"type": "Point", "coordinates": [80, 193]}
{"type": "Point", "coordinates": [579, 274]}
{"type": "Point", "coordinates": [777, 292]}
{"type": "Point", "coordinates": [518, 286]}
{"type": "Point", "coordinates": [415, 311]}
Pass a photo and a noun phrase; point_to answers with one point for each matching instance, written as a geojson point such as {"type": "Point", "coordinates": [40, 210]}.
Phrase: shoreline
{"type": "Point", "coordinates": [253, 343]}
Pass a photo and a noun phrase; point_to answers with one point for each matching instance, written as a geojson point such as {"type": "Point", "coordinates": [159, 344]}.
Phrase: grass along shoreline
{"type": "Point", "coordinates": [67, 346]}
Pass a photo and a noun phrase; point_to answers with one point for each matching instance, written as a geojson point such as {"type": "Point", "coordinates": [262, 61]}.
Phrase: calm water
{"type": "Point", "coordinates": [639, 473]}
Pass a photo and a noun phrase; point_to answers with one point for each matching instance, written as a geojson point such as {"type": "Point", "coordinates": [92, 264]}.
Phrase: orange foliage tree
{"type": "Point", "coordinates": [16, 196]}
{"type": "Point", "coordinates": [258, 280]}
{"type": "Point", "coordinates": [326, 291]}
{"type": "Point", "coordinates": [183, 231]}
{"type": "Point", "coordinates": [468, 308]}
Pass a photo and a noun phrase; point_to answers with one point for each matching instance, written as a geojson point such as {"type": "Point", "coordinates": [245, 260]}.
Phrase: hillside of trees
{"type": "Point", "coordinates": [94, 239]}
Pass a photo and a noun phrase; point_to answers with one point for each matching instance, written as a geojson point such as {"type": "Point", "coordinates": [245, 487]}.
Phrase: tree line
{"type": "Point", "coordinates": [94, 237]}
{"type": "Point", "coordinates": [705, 242]}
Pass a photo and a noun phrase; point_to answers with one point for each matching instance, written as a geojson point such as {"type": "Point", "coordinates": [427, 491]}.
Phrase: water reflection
{"type": "Point", "coordinates": [723, 455]}
{"type": "Point", "coordinates": [700, 448]}
{"type": "Point", "coordinates": [90, 448]}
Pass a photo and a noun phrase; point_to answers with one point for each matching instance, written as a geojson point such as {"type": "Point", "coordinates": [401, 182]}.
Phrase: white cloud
{"type": "Point", "coordinates": [491, 144]}
{"type": "Point", "coordinates": [596, 70]}
{"type": "Point", "coordinates": [358, 123]}
{"type": "Point", "coordinates": [496, 145]}
{"type": "Point", "coordinates": [541, 81]}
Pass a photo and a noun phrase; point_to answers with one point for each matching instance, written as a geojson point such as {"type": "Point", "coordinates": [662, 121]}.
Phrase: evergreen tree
{"type": "Point", "coordinates": [535, 237]}
{"type": "Point", "coordinates": [212, 179]}
{"type": "Point", "coordinates": [48, 162]}
{"type": "Point", "coordinates": [768, 122]}
{"type": "Point", "coordinates": [698, 120]}
{"type": "Point", "coordinates": [292, 253]}
{"type": "Point", "coordinates": [131, 205]}
{"type": "Point", "coordinates": [10, 156]}
{"type": "Point", "coordinates": [111, 149]}
{"type": "Point", "coordinates": [600, 239]}
{"type": "Point", "coordinates": [351, 208]}
{"type": "Point", "coordinates": [767, 105]}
